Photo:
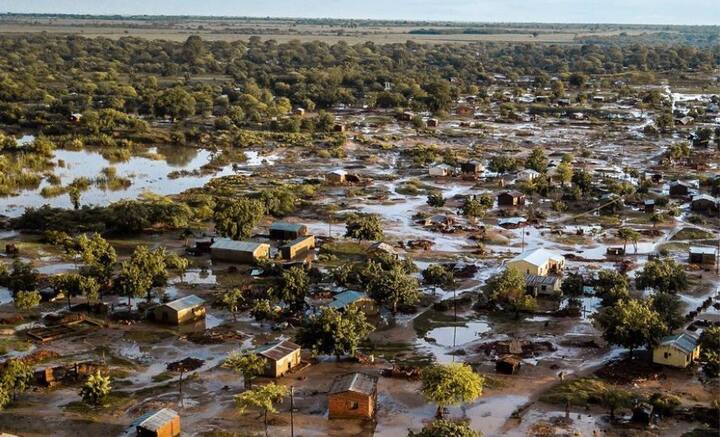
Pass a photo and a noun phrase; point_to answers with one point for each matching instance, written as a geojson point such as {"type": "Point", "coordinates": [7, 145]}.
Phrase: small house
{"type": "Point", "coordinates": [183, 310]}
{"type": "Point", "coordinates": [337, 176]}
{"type": "Point", "coordinates": [507, 364]}
{"type": "Point", "coordinates": [512, 222]}
{"type": "Point", "coordinates": [297, 247]}
{"type": "Point", "coordinates": [649, 206]}
{"type": "Point", "coordinates": [406, 116]}
{"type": "Point", "coordinates": [615, 251]}
{"type": "Point", "coordinates": [441, 221]}
{"type": "Point", "coordinates": [441, 170]}
{"type": "Point", "coordinates": [287, 231]}
{"type": "Point", "coordinates": [280, 357]}
{"type": "Point", "coordinates": [465, 111]}
{"type": "Point", "coordinates": [338, 127]}
{"type": "Point", "coordinates": [75, 117]}
{"type": "Point", "coordinates": [656, 178]}
{"type": "Point", "coordinates": [433, 122]}
{"type": "Point", "coordinates": [300, 112]}
{"type": "Point", "coordinates": [382, 247]}
{"type": "Point", "coordinates": [472, 168]}
{"type": "Point", "coordinates": [353, 396]}
{"type": "Point", "coordinates": [678, 350]}
{"type": "Point", "coordinates": [162, 423]}
{"type": "Point", "coordinates": [704, 203]}
{"type": "Point", "coordinates": [246, 252]}
{"type": "Point", "coordinates": [511, 198]}
{"type": "Point", "coordinates": [642, 413]}
{"type": "Point", "coordinates": [528, 175]}
{"type": "Point", "coordinates": [702, 255]}
{"type": "Point", "coordinates": [539, 262]}
{"type": "Point", "coordinates": [537, 285]}
{"type": "Point", "coordinates": [678, 188]}
{"type": "Point", "coordinates": [360, 300]}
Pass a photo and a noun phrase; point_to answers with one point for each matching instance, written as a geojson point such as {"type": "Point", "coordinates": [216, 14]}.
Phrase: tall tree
{"type": "Point", "coordinates": [662, 275]}
{"type": "Point", "coordinates": [363, 227]}
{"type": "Point", "coordinates": [262, 398]}
{"type": "Point", "coordinates": [238, 219]}
{"type": "Point", "coordinates": [450, 384]}
{"type": "Point", "coordinates": [631, 323]}
{"type": "Point", "coordinates": [250, 365]}
{"type": "Point", "coordinates": [333, 332]}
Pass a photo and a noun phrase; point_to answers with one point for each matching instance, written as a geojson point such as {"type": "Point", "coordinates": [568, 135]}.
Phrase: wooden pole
{"type": "Point", "coordinates": [292, 412]}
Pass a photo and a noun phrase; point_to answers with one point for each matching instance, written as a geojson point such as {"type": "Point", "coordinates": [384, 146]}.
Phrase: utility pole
{"type": "Point", "coordinates": [292, 412]}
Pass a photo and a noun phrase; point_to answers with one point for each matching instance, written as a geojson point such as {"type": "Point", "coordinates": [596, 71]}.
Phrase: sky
{"type": "Point", "coordinates": [548, 11]}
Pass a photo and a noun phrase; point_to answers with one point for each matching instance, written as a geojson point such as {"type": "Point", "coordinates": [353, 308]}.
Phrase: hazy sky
{"type": "Point", "coordinates": [595, 11]}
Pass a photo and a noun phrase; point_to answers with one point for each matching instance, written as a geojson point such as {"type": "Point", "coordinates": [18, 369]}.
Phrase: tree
{"type": "Point", "coordinates": [237, 219]}
{"type": "Point", "coordinates": [564, 172]}
{"type": "Point", "coordinates": [363, 227]}
{"type": "Point", "coordinates": [250, 365]}
{"type": "Point", "coordinates": [14, 379]}
{"type": "Point", "coordinates": [450, 384]}
{"type": "Point", "coordinates": [73, 284]}
{"type": "Point", "coordinates": [508, 289]}
{"type": "Point", "coordinates": [438, 274]}
{"type": "Point", "coordinates": [26, 300]}
{"type": "Point", "coordinates": [582, 179]}
{"type": "Point", "coordinates": [631, 323]}
{"type": "Point", "coordinates": [96, 389]}
{"type": "Point", "coordinates": [394, 287]}
{"type": "Point", "coordinates": [473, 208]}
{"type": "Point", "coordinates": [176, 103]}
{"type": "Point", "coordinates": [263, 398]}
{"type": "Point", "coordinates": [144, 270]}
{"type": "Point", "coordinates": [537, 160]}
{"type": "Point", "coordinates": [662, 275]}
{"type": "Point", "coordinates": [294, 285]}
{"type": "Point", "coordinates": [611, 286]}
{"type": "Point", "coordinates": [99, 257]}
{"type": "Point", "coordinates": [333, 332]}
{"type": "Point", "coordinates": [446, 428]}
{"type": "Point", "coordinates": [628, 234]}
{"type": "Point", "coordinates": [232, 300]}
{"type": "Point", "coordinates": [710, 351]}
{"type": "Point", "coordinates": [22, 276]}
{"type": "Point", "coordinates": [502, 164]}
{"type": "Point", "coordinates": [615, 397]}
{"type": "Point", "coordinates": [133, 281]}
{"type": "Point", "coordinates": [669, 306]}
{"type": "Point", "coordinates": [74, 194]}
{"type": "Point", "coordinates": [435, 199]}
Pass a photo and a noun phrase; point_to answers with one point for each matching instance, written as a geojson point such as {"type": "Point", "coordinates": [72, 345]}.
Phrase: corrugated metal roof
{"type": "Point", "coordinates": [287, 227]}
{"type": "Point", "coordinates": [154, 421]}
{"type": "Point", "coordinates": [346, 298]}
{"type": "Point", "coordinates": [684, 341]}
{"type": "Point", "coordinates": [538, 257]}
{"type": "Point", "coordinates": [536, 280]}
{"type": "Point", "coordinates": [355, 382]}
{"type": "Point", "coordinates": [702, 250]}
{"type": "Point", "coordinates": [278, 350]}
{"type": "Point", "coordinates": [237, 246]}
{"type": "Point", "coordinates": [185, 303]}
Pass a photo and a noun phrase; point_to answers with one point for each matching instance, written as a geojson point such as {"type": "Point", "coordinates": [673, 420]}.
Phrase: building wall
{"type": "Point", "coordinates": [527, 268]}
{"type": "Point", "coordinates": [670, 356]}
{"type": "Point", "coordinates": [190, 314]}
{"type": "Point", "coordinates": [276, 369]}
{"type": "Point", "coordinates": [303, 246]}
{"type": "Point", "coordinates": [169, 429]}
{"type": "Point", "coordinates": [351, 405]}
{"type": "Point", "coordinates": [263, 251]}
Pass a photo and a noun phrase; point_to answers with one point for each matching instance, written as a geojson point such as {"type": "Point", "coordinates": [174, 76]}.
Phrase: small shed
{"type": "Point", "coordinates": [536, 285]}
{"type": "Point", "coordinates": [679, 350]}
{"type": "Point", "coordinates": [287, 231]}
{"type": "Point", "coordinates": [441, 170]}
{"type": "Point", "coordinates": [183, 310]}
{"type": "Point", "coordinates": [472, 167]}
{"type": "Point", "coordinates": [507, 364]}
{"type": "Point", "coordinates": [678, 188]}
{"type": "Point", "coordinates": [336, 176]}
{"type": "Point", "coordinates": [280, 357]}
{"type": "Point", "coordinates": [433, 122]}
{"type": "Point", "coordinates": [704, 203]}
{"type": "Point", "coordinates": [338, 127]}
{"type": "Point", "coordinates": [246, 252]}
{"type": "Point", "coordinates": [162, 423]}
{"type": "Point", "coordinates": [642, 413]}
{"type": "Point", "coordinates": [615, 251]}
{"type": "Point", "coordinates": [298, 247]}
{"type": "Point", "coordinates": [511, 198]}
{"type": "Point", "coordinates": [353, 395]}
{"type": "Point", "coordinates": [358, 299]}
{"type": "Point", "coordinates": [702, 255]}
{"type": "Point", "coordinates": [649, 206]}
{"type": "Point", "coordinates": [528, 175]}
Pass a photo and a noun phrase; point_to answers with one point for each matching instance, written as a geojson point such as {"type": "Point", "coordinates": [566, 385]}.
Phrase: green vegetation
{"type": "Point", "coordinates": [96, 389]}
{"type": "Point", "coordinates": [332, 332]}
{"type": "Point", "coordinates": [450, 384]}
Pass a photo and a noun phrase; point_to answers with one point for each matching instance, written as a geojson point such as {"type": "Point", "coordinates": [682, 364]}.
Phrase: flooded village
{"type": "Point", "coordinates": [263, 246]}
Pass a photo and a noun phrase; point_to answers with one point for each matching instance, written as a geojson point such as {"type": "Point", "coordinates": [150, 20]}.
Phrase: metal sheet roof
{"type": "Point", "coordinates": [702, 250]}
{"type": "Point", "coordinates": [354, 382]}
{"type": "Point", "coordinates": [287, 227]}
{"type": "Point", "coordinates": [236, 246]}
{"type": "Point", "coordinates": [346, 298]}
{"type": "Point", "coordinates": [684, 341]}
{"type": "Point", "coordinates": [538, 257]}
{"type": "Point", "coordinates": [185, 303]}
{"type": "Point", "coordinates": [278, 350]}
{"type": "Point", "coordinates": [154, 421]}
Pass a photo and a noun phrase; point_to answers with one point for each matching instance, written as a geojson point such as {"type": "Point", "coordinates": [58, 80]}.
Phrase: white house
{"type": "Point", "coordinates": [540, 262]}
{"type": "Point", "coordinates": [441, 170]}
{"type": "Point", "coordinates": [527, 175]}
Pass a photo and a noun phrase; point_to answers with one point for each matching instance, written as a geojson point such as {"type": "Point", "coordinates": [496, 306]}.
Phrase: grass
{"type": "Point", "coordinates": [577, 392]}
{"type": "Point", "coordinates": [13, 345]}
{"type": "Point", "coordinates": [114, 402]}
{"type": "Point", "coordinates": [162, 377]}
{"type": "Point", "coordinates": [346, 248]}
{"type": "Point", "coordinates": [692, 234]}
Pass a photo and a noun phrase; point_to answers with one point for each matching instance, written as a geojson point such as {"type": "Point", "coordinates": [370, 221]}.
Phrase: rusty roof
{"type": "Point", "coordinates": [278, 350]}
{"type": "Point", "coordinates": [154, 421]}
{"type": "Point", "coordinates": [354, 382]}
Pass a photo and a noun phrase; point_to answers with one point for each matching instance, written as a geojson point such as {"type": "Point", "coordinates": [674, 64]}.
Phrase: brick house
{"type": "Point", "coordinates": [353, 395]}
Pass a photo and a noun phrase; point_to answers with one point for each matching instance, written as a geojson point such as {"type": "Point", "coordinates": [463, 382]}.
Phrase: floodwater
{"type": "Point", "coordinates": [147, 176]}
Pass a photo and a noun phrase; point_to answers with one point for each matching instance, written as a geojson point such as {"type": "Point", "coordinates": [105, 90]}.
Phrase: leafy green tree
{"type": "Point", "coordinates": [133, 282]}
{"type": "Point", "coordinates": [446, 428]}
{"type": "Point", "coordinates": [232, 299]}
{"type": "Point", "coordinates": [614, 398]}
{"type": "Point", "coordinates": [333, 332]}
{"type": "Point", "coordinates": [669, 306]}
{"type": "Point", "coordinates": [22, 276]}
{"type": "Point", "coordinates": [438, 274]}
{"type": "Point", "coordinates": [294, 285]}
{"type": "Point", "coordinates": [175, 103]}
{"type": "Point", "coordinates": [564, 173]}
{"type": "Point", "coordinates": [73, 284]}
{"type": "Point", "coordinates": [96, 389]}
{"type": "Point", "coordinates": [582, 179]}
{"type": "Point", "coordinates": [502, 164]}
{"type": "Point", "coordinates": [537, 160]}
{"type": "Point", "coordinates": [611, 286]}
{"type": "Point", "coordinates": [394, 287]}
{"type": "Point", "coordinates": [99, 257]}
{"type": "Point", "coordinates": [26, 300]}
{"type": "Point", "coordinates": [450, 384]}
{"type": "Point", "coordinates": [15, 378]}
{"type": "Point", "coordinates": [710, 351]}
{"type": "Point", "coordinates": [263, 398]}
{"type": "Point", "coordinates": [631, 323]}
{"type": "Point", "coordinates": [473, 208]}
{"type": "Point", "coordinates": [250, 365]}
{"type": "Point", "coordinates": [74, 194]}
{"type": "Point", "coordinates": [664, 275]}
{"type": "Point", "coordinates": [508, 289]}
{"type": "Point", "coordinates": [628, 234]}
{"type": "Point", "coordinates": [238, 219]}
{"type": "Point", "coordinates": [363, 227]}
{"type": "Point", "coordinates": [435, 199]}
